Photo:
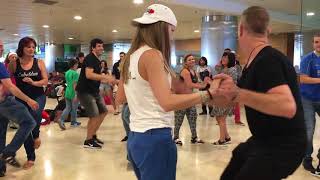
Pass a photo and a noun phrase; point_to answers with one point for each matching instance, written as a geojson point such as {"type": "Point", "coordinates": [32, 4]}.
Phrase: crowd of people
{"type": "Point", "coordinates": [155, 99]}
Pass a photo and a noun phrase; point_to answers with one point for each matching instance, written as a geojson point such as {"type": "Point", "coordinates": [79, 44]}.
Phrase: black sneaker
{"type": "Point", "coordinates": [3, 167]}
{"type": "Point", "coordinates": [95, 138]}
{"type": "Point", "coordinates": [124, 139]}
{"type": "Point", "coordinates": [11, 160]}
{"type": "Point", "coordinates": [307, 165]}
{"type": "Point", "coordinates": [91, 143]}
{"type": "Point", "coordinates": [316, 172]}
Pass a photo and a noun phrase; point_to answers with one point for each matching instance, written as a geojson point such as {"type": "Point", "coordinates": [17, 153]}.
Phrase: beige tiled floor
{"type": "Point", "coordinates": [62, 157]}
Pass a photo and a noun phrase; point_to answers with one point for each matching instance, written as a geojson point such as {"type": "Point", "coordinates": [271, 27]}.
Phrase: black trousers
{"type": "Point", "coordinates": [254, 160]}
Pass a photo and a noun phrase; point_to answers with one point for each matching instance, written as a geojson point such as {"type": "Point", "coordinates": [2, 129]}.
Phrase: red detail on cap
{"type": "Point", "coordinates": [150, 11]}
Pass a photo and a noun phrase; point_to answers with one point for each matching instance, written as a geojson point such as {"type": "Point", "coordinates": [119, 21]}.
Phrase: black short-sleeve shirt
{"type": "Point", "coordinates": [269, 69]}
{"type": "Point", "coordinates": [86, 85]}
{"type": "Point", "coordinates": [115, 70]}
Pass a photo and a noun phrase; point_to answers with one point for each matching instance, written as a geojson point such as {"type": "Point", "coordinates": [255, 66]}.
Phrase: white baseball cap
{"type": "Point", "coordinates": [156, 13]}
{"type": "Point", "coordinates": [12, 53]}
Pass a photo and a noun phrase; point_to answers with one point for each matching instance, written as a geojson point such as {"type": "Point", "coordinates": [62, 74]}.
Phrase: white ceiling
{"type": "Point", "coordinates": [100, 17]}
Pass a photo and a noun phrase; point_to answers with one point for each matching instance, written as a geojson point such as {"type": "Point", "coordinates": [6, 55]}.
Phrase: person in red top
{"type": "Point", "coordinates": [12, 56]}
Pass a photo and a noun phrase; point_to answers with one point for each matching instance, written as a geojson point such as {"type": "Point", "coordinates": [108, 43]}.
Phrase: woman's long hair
{"type": "Point", "coordinates": [231, 59]}
{"type": "Point", "coordinates": [154, 35]}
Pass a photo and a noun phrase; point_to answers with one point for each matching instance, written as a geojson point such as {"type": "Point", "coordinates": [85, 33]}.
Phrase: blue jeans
{"type": "Point", "coordinates": [71, 107]}
{"type": "Point", "coordinates": [37, 115]}
{"type": "Point", "coordinates": [125, 116]}
{"type": "Point", "coordinates": [310, 109]}
{"type": "Point", "coordinates": [11, 109]}
{"type": "Point", "coordinates": [153, 154]}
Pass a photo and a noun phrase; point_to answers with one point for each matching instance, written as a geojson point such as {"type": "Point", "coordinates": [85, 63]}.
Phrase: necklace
{"type": "Point", "coordinates": [246, 66]}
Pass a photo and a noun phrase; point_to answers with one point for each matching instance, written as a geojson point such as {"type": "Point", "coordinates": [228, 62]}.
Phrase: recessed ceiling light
{"type": "Point", "coordinates": [114, 31]}
{"type": "Point", "coordinates": [310, 13]}
{"type": "Point", "coordinates": [77, 17]}
{"type": "Point", "coordinates": [70, 38]}
{"type": "Point", "coordinates": [15, 34]}
{"type": "Point", "coordinates": [138, 1]}
{"type": "Point", "coordinates": [196, 31]}
{"type": "Point", "coordinates": [46, 26]}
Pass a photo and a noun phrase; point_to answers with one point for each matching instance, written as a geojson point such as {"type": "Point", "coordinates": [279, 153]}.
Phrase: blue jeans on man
{"type": "Point", "coordinates": [11, 109]}
{"type": "Point", "coordinates": [310, 109]}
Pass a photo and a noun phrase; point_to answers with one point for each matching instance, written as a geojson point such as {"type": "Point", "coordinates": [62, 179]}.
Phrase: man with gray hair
{"type": "Point", "coordinates": [272, 103]}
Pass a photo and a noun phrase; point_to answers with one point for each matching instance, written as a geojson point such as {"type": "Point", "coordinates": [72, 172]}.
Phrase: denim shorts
{"type": "Point", "coordinates": [105, 87]}
{"type": "Point", "coordinates": [93, 104]}
{"type": "Point", "coordinates": [153, 154]}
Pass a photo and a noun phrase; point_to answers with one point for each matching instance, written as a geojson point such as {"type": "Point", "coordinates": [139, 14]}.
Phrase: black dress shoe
{"type": "Point", "coordinates": [307, 165]}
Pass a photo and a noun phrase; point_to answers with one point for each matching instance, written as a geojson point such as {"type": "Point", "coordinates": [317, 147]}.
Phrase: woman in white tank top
{"type": "Point", "coordinates": [146, 85]}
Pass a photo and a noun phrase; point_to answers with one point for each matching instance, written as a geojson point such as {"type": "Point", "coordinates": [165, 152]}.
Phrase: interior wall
{"type": "Point", "coordinates": [281, 41]}
{"type": "Point", "coordinates": [188, 45]}
{"type": "Point", "coordinates": [278, 41]}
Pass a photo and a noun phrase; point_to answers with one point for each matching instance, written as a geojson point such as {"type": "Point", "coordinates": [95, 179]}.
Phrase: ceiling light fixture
{"type": "Point", "coordinates": [71, 38]}
{"type": "Point", "coordinates": [15, 34]}
{"type": "Point", "coordinates": [77, 18]}
{"type": "Point", "coordinates": [114, 31]}
{"type": "Point", "coordinates": [196, 31]}
{"type": "Point", "coordinates": [310, 13]}
{"type": "Point", "coordinates": [45, 26]}
{"type": "Point", "coordinates": [138, 1]}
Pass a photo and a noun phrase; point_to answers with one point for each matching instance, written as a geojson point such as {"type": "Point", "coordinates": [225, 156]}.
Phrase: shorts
{"type": "Point", "coordinates": [105, 87]}
{"type": "Point", "coordinates": [93, 104]}
{"type": "Point", "coordinates": [153, 154]}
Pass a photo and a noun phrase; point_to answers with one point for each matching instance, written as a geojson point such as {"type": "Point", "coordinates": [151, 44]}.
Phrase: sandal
{"type": "Point", "coordinates": [240, 123]}
{"type": "Point", "coordinates": [178, 141]}
{"type": "Point", "coordinates": [37, 143]}
{"type": "Point", "coordinates": [116, 113]}
{"type": "Point", "coordinates": [219, 142]}
{"type": "Point", "coordinates": [196, 141]}
{"type": "Point", "coordinates": [28, 165]}
{"type": "Point", "coordinates": [228, 140]}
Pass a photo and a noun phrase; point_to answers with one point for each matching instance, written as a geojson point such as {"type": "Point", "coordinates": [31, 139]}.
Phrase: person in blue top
{"type": "Point", "coordinates": [310, 93]}
{"type": "Point", "coordinates": [12, 109]}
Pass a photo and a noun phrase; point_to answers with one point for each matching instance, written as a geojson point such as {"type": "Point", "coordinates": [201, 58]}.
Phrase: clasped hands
{"type": "Point", "coordinates": [109, 79]}
{"type": "Point", "coordinates": [223, 90]}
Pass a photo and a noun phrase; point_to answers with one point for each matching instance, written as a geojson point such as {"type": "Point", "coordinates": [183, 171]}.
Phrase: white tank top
{"type": "Point", "coordinates": [146, 113]}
